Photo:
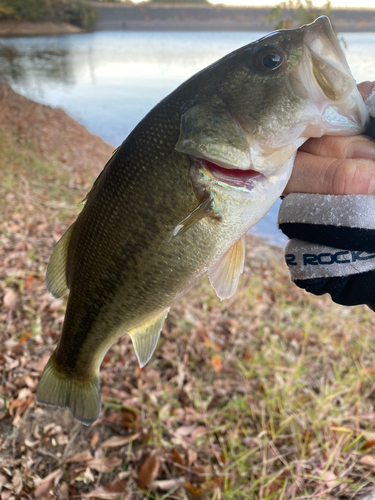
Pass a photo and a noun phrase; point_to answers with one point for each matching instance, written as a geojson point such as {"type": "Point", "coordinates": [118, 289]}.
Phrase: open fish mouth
{"type": "Point", "coordinates": [245, 179]}
{"type": "Point", "coordinates": [324, 77]}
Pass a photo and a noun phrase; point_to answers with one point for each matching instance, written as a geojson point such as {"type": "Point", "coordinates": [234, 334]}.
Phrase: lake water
{"type": "Point", "coordinates": [109, 80]}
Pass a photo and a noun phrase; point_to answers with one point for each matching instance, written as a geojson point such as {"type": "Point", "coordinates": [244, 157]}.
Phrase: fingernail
{"type": "Point", "coordinates": [362, 149]}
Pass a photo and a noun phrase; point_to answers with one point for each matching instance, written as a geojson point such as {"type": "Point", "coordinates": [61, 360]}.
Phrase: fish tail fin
{"type": "Point", "coordinates": [57, 388]}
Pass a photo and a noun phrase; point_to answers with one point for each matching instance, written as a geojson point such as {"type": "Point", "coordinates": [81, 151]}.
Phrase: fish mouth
{"type": "Point", "coordinates": [244, 179]}
{"type": "Point", "coordinates": [324, 77]}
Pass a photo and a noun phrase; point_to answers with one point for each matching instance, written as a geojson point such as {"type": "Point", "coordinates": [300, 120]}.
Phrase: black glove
{"type": "Point", "coordinates": [332, 246]}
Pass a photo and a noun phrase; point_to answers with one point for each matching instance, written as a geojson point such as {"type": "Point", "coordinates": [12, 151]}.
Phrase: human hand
{"type": "Point", "coordinates": [334, 164]}
{"type": "Point", "coordinates": [332, 246]}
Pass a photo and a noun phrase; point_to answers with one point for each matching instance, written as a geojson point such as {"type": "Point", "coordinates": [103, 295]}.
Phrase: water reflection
{"type": "Point", "coordinates": [26, 67]}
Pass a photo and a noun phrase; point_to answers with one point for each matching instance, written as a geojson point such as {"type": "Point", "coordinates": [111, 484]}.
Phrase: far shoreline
{"type": "Point", "coordinates": [183, 17]}
{"type": "Point", "coordinates": [10, 29]}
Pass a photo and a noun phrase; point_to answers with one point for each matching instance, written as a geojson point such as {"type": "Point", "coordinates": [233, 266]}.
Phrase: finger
{"type": "Point", "coordinates": [359, 146]}
{"type": "Point", "coordinates": [314, 174]}
{"type": "Point", "coordinates": [365, 89]}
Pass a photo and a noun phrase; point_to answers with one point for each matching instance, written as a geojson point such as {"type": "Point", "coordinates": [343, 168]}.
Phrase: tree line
{"type": "Point", "coordinates": [76, 12]}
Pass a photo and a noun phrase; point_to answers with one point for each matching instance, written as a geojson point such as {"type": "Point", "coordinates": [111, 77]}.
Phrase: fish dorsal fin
{"type": "Point", "coordinates": [146, 336]}
{"type": "Point", "coordinates": [56, 270]}
{"type": "Point", "coordinates": [224, 275]}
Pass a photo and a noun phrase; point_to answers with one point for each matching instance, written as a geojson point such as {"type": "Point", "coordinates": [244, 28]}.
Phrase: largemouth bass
{"type": "Point", "coordinates": [177, 197]}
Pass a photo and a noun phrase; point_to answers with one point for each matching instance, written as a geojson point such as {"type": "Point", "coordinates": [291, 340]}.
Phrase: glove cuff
{"type": "Point", "coordinates": [310, 261]}
{"type": "Point", "coordinates": [330, 219]}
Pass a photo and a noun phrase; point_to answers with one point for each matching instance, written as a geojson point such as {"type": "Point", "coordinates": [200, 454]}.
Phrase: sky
{"type": "Point", "coordinates": [317, 3]}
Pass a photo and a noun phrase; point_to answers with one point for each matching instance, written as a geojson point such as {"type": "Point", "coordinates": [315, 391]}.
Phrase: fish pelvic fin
{"type": "Point", "coordinates": [224, 275]}
{"type": "Point", "coordinates": [146, 336]}
{"type": "Point", "coordinates": [57, 388]}
{"type": "Point", "coordinates": [56, 282]}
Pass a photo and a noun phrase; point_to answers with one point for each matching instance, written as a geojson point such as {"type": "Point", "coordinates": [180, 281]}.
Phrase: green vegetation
{"type": "Point", "coordinates": [74, 12]}
{"type": "Point", "coordinates": [295, 13]}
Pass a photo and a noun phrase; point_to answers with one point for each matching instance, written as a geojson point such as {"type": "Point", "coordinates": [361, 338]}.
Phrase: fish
{"type": "Point", "coordinates": [175, 200]}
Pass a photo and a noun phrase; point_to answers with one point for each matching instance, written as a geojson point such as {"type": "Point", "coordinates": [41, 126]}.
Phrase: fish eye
{"type": "Point", "coordinates": [268, 58]}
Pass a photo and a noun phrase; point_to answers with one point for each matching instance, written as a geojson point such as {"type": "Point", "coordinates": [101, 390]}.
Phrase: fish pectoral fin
{"type": "Point", "coordinates": [204, 209]}
{"type": "Point", "coordinates": [81, 396]}
{"type": "Point", "coordinates": [146, 336]}
{"type": "Point", "coordinates": [224, 275]}
{"type": "Point", "coordinates": [56, 270]}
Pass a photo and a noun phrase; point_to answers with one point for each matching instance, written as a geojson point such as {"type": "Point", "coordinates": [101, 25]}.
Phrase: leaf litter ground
{"type": "Point", "coordinates": [267, 395]}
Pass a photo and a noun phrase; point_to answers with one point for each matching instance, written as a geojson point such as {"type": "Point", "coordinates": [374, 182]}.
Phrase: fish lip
{"type": "Point", "coordinates": [239, 178]}
{"type": "Point", "coordinates": [328, 59]}
{"type": "Point", "coordinates": [324, 77]}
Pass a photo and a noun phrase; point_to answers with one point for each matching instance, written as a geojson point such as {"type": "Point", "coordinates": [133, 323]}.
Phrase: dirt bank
{"type": "Point", "coordinates": [9, 28]}
{"type": "Point", "coordinates": [55, 136]}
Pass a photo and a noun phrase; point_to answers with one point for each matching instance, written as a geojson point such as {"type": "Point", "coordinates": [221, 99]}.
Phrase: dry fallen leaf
{"type": "Point", "coordinates": [24, 337]}
{"type": "Point", "coordinates": [114, 490]}
{"type": "Point", "coordinates": [28, 283]}
{"type": "Point", "coordinates": [105, 464]}
{"type": "Point", "coordinates": [48, 483]}
{"type": "Point", "coordinates": [85, 476]}
{"type": "Point", "coordinates": [368, 461]}
{"type": "Point", "coordinates": [214, 485]}
{"type": "Point", "coordinates": [198, 431]}
{"type": "Point", "coordinates": [84, 456]}
{"type": "Point", "coordinates": [116, 441]}
{"type": "Point", "coordinates": [176, 457]}
{"type": "Point", "coordinates": [216, 363]}
{"type": "Point", "coordinates": [41, 363]}
{"type": "Point", "coordinates": [17, 482]}
{"type": "Point", "coordinates": [167, 484]}
{"type": "Point", "coordinates": [368, 444]}
{"type": "Point", "coordinates": [330, 479]}
{"type": "Point", "coordinates": [94, 439]}
{"type": "Point", "coordinates": [185, 430]}
{"type": "Point", "coordinates": [10, 298]}
{"type": "Point", "coordinates": [3, 480]}
{"type": "Point", "coordinates": [148, 471]}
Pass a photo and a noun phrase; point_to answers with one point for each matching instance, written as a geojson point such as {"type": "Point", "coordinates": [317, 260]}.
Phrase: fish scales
{"type": "Point", "coordinates": [140, 258]}
{"type": "Point", "coordinates": [176, 198]}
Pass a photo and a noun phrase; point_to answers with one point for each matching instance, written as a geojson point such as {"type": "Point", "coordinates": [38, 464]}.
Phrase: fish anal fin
{"type": "Point", "coordinates": [146, 336]}
{"type": "Point", "coordinates": [82, 397]}
{"type": "Point", "coordinates": [56, 270]}
{"type": "Point", "coordinates": [224, 275]}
